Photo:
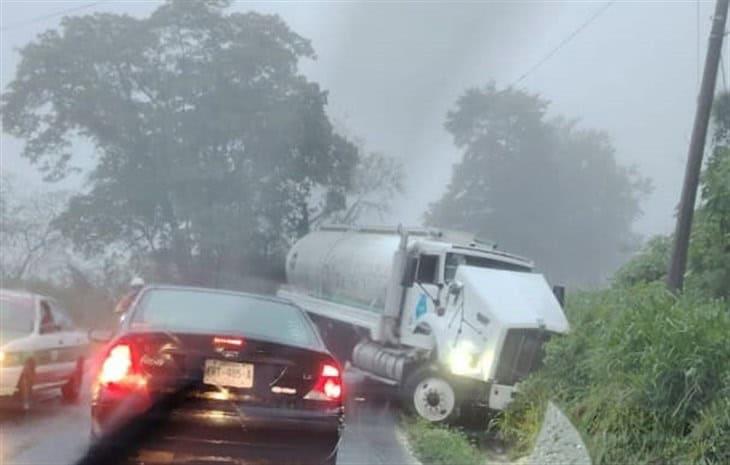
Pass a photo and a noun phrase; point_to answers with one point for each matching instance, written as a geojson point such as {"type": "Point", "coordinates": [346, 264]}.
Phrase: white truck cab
{"type": "Point", "coordinates": [448, 318]}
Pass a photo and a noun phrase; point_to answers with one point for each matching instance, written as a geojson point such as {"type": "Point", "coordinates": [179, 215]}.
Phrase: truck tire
{"type": "Point", "coordinates": [431, 396]}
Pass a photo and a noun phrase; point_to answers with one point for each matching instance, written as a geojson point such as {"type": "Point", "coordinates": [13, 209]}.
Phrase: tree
{"type": "Point", "coordinates": [708, 270]}
{"type": "Point", "coordinates": [208, 141]}
{"type": "Point", "coordinates": [538, 186]}
{"type": "Point", "coordinates": [28, 242]}
{"type": "Point", "coordinates": [376, 180]}
{"type": "Point", "coordinates": [647, 266]}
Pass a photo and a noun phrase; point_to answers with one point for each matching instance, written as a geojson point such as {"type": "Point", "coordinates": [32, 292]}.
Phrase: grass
{"type": "Point", "coordinates": [643, 375]}
{"type": "Point", "coordinates": [440, 445]}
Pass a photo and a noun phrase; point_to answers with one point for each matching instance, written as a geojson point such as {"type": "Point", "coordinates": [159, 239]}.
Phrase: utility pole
{"type": "Point", "coordinates": [678, 263]}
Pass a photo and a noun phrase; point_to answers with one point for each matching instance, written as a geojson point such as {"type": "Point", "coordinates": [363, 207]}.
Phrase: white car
{"type": "Point", "coordinates": [40, 348]}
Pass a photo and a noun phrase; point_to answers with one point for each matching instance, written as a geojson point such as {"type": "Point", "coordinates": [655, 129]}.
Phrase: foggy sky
{"type": "Point", "coordinates": [394, 70]}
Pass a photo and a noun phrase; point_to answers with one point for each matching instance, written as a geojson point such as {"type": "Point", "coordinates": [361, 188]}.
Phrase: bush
{"type": "Point", "coordinates": [647, 266]}
{"type": "Point", "coordinates": [643, 375]}
{"type": "Point", "coordinates": [440, 445]}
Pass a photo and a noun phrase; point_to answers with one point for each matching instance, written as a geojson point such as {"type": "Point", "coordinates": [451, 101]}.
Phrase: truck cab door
{"type": "Point", "coordinates": [418, 301]}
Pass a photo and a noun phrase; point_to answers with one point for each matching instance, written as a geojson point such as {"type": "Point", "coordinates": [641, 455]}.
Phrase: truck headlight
{"type": "Point", "coordinates": [464, 359]}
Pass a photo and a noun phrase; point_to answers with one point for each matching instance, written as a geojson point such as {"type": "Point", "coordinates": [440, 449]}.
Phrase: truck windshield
{"type": "Point", "coordinates": [453, 260]}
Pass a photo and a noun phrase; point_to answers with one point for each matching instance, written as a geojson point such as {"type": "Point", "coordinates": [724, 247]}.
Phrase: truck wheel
{"type": "Point", "coordinates": [431, 396]}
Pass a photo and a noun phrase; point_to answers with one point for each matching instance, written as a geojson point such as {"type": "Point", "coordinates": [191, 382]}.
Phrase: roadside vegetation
{"type": "Point", "coordinates": [644, 374]}
{"type": "Point", "coordinates": [440, 445]}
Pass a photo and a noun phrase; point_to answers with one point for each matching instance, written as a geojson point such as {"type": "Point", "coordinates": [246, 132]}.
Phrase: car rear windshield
{"type": "Point", "coordinates": [217, 312]}
{"type": "Point", "coordinates": [16, 316]}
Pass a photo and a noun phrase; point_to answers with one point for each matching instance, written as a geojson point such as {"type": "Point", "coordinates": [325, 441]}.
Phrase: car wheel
{"type": "Point", "coordinates": [72, 388]}
{"type": "Point", "coordinates": [25, 391]}
{"type": "Point", "coordinates": [431, 396]}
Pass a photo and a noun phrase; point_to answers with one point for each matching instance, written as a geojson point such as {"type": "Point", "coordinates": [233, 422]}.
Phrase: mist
{"type": "Point", "coordinates": [393, 71]}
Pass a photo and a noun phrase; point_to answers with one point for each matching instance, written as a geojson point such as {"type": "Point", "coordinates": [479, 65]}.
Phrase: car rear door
{"type": "Point", "coordinates": [71, 342]}
{"type": "Point", "coordinates": [49, 367]}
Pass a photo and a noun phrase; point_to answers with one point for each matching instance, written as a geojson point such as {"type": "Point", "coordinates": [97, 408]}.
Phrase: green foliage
{"type": "Point", "coordinates": [710, 251]}
{"type": "Point", "coordinates": [520, 424]}
{"type": "Point", "coordinates": [647, 266]}
{"type": "Point", "coordinates": [375, 181]}
{"type": "Point", "coordinates": [541, 187]}
{"type": "Point", "coordinates": [440, 445]}
{"type": "Point", "coordinates": [709, 255]}
{"type": "Point", "coordinates": [643, 374]}
{"type": "Point", "coordinates": [209, 143]}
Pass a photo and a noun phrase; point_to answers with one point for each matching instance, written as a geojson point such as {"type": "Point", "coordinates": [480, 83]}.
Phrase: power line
{"type": "Point", "coordinates": [563, 43]}
{"type": "Point", "coordinates": [49, 16]}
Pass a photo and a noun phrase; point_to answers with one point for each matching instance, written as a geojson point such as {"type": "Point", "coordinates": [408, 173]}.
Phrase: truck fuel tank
{"type": "Point", "coordinates": [385, 362]}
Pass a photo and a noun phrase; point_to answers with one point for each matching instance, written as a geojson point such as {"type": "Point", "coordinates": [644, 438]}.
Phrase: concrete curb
{"type": "Point", "coordinates": [558, 442]}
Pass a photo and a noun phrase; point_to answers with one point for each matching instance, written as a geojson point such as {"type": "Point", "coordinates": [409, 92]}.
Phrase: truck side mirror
{"type": "Point", "coordinates": [455, 288]}
{"type": "Point", "coordinates": [559, 292]}
{"type": "Point", "coordinates": [409, 274]}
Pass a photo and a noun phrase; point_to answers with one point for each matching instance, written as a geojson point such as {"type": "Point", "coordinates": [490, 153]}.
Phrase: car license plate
{"type": "Point", "coordinates": [228, 374]}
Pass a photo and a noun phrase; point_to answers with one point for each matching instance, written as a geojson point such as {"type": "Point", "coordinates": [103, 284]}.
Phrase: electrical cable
{"type": "Point", "coordinates": [563, 42]}
{"type": "Point", "coordinates": [49, 16]}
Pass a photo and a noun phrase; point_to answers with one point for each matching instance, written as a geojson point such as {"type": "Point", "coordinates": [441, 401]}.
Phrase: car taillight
{"type": "Point", "coordinates": [328, 386]}
{"type": "Point", "coordinates": [118, 368]}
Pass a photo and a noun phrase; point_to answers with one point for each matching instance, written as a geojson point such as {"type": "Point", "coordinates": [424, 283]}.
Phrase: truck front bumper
{"type": "Point", "coordinates": [500, 396]}
{"type": "Point", "coordinates": [490, 395]}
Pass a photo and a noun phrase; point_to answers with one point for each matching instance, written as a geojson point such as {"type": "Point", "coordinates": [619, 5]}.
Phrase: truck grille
{"type": "Point", "coordinates": [522, 353]}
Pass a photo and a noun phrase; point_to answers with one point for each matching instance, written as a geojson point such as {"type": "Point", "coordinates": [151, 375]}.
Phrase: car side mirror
{"type": "Point", "coordinates": [100, 335]}
{"type": "Point", "coordinates": [559, 292]}
{"type": "Point", "coordinates": [409, 274]}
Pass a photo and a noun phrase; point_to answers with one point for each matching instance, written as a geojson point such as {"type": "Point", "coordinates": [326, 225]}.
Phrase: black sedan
{"type": "Point", "coordinates": [199, 375]}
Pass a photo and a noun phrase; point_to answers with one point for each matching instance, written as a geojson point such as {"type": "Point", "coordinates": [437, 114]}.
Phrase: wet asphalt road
{"type": "Point", "coordinates": [58, 434]}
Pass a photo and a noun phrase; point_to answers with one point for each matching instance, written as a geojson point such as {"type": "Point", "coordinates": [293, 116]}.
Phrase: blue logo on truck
{"type": "Point", "coordinates": [421, 307]}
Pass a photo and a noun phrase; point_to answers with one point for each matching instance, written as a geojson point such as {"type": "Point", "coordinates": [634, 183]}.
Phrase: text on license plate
{"type": "Point", "coordinates": [228, 374]}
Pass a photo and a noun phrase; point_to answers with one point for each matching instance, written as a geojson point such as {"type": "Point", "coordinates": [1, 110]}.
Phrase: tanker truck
{"type": "Point", "coordinates": [449, 320]}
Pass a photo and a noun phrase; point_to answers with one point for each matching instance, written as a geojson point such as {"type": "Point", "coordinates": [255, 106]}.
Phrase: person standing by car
{"type": "Point", "coordinates": [125, 302]}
